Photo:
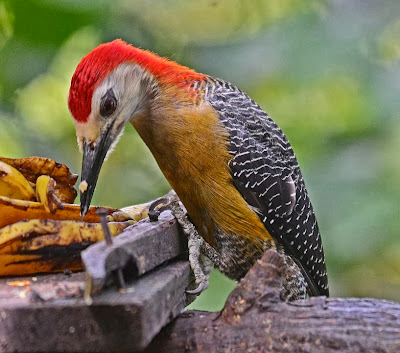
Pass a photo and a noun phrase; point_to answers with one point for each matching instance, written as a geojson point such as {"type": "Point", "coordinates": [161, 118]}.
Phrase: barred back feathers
{"type": "Point", "coordinates": [266, 172]}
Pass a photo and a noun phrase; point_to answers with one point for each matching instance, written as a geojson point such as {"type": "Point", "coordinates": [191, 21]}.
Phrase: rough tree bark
{"type": "Point", "coordinates": [255, 319]}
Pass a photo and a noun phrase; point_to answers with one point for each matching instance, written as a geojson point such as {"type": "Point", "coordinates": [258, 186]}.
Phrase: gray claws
{"type": "Point", "coordinates": [197, 290]}
{"type": "Point", "coordinates": [157, 207]}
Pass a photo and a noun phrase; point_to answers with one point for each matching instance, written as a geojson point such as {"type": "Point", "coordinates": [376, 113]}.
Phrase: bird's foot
{"type": "Point", "coordinates": [201, 265]}
{"type": "Point", "coordinates": [157, 207]}
{"type": "Point", "coordinates": [161, 204]}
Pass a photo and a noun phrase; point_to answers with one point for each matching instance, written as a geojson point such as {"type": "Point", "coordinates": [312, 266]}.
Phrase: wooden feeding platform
{"type": "Point", "coordinates": [50, 313]}
{"type": "Point", "coordinates": [54, 313]}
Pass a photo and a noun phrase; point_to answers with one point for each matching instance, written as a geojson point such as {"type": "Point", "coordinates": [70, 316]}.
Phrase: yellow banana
{"type": "Point", "coordinates": [45, 188]}
{"type": "Point", "coordinates": [40, 234]}
{"type": "Point", "coordinates": [33, 167]}
{"type": "Point", "coordinates": [13, 184]}
{"type": "Point", "coordinates": [136, 212]}
{"type": "Point", "coordinates": [42, 245]}
{"type": "Point", "coordinates": [12, 210]}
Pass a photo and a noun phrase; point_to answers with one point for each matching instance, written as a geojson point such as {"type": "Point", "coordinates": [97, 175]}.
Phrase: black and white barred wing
{"type": "Point", "coordinates": [265, 171]}
{"type": "Point", "coordinates": [262, 177]}
{"type": "Point", "coordinates": [276, 193]}
{"type": "Point", "coordinates": [263, 164]}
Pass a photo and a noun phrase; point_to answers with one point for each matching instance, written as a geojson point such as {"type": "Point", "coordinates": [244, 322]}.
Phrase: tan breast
{"type": "Point", "coordinates": [190, 146]}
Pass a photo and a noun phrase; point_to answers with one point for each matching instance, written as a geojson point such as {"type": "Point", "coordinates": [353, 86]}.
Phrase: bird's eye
{"type": "Point", "coordinates": [108, 104]}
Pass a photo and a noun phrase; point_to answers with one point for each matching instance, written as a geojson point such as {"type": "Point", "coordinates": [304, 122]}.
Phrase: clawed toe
{"type": "Point", "coordinates": [202, 286]}
{"type": "Point", "coordinates": [157, 207]}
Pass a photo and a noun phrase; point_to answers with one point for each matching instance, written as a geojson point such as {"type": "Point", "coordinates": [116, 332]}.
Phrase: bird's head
{"type": "Point", "coordinates": [107, 89]}
{"type": "Point", "coordinates": [112, 85]}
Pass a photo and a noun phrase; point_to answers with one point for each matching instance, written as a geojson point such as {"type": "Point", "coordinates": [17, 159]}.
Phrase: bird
{"type": "Point", "coordinates": [229, 163]}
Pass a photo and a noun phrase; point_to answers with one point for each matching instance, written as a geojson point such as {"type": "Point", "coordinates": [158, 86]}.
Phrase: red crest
{"type": "Point", "coordinates": [95, 67]}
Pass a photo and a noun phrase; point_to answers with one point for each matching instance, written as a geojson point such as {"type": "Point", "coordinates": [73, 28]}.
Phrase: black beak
{"type": "Point", "coordinates": [93, 158]}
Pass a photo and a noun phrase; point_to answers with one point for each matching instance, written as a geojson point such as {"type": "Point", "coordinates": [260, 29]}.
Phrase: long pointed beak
{"type": "Point", "coordinates": [93, 158]}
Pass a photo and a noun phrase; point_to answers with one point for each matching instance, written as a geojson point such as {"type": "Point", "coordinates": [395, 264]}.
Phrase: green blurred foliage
{"type": "Point", "coordinates": [327, 71]}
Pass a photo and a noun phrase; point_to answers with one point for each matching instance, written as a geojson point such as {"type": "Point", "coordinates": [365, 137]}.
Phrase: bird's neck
{"type": "Point", "coordinates": [191, 148]}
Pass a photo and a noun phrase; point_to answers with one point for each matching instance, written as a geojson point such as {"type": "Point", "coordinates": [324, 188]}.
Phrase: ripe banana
{"type": "Point", "coordinates": [40, 245]}
{"type": "Point", "coordinates": [12, 210]}
{"type": "Point", "coordinates": [135, 212]}
{"type": "Point", "coordinates": [33, 167]}
{"type": "Point", "coordinates": [45, 187]}
{"type": "Point", "coordinates": [13, 184]}
{"type": "Point", "coordinates": [38, 233]}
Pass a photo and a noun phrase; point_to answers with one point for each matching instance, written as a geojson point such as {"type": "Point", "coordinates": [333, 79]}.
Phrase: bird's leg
{"type": "Point", "coordinates": [195, 258]}
{"type": "Point", "coordinates": [201, 265]}
{"type": "Point", "coordinates": [201, 254]}
{"type": "Point", "coordinates": [293, 282]}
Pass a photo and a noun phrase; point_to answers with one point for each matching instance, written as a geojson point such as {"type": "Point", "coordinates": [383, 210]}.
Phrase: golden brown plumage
{"type": "Point", "coordinates": [195, 163]}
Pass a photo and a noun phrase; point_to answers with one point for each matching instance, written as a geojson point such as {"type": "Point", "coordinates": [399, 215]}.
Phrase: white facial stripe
{"type": "Point", "coordinates": [131, 86]}
{"type": "Point", "coordinates": [126, 81]}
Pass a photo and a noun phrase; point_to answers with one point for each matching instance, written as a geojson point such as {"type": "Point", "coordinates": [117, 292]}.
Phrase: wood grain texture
{"type": "Point", "coordinates": [255, 319]}
{"type": "Point", "coordinates": [53, 317]}
{"type": "Point", "coordinates": [137, 250]}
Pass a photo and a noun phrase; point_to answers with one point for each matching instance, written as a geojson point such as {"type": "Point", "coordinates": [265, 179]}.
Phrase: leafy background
{"type": "Point", "coordinates": [327, 71]}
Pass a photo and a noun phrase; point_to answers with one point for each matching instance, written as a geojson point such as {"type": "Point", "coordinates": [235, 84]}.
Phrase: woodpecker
{"type": "Point", "coordinates": [230, 164]}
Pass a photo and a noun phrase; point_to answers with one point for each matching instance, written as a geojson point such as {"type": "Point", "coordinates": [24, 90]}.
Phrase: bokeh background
{"type": "Point", "coordinates": [327, 71]}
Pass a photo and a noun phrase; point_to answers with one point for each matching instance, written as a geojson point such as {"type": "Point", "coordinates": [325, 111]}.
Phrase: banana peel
{"type": "Point", "coordinates": [135, 212]}
{"type": "Point", "coordinates": [13, 184]}
{"type": "Point", "coordinates": [45, 187]}
{"type": "Point", "coordinates": [12, 211]}
{"type": "Point", "coordinates": [42, 246]}
{"type": "Point", "coordinates": [41, 230]}
{"type": "Point", "coordinates": [32, 240]}
{"type": "Point", "coordinates": [33, 167]}
{"type": "Point", "coordinates": [36, 187]}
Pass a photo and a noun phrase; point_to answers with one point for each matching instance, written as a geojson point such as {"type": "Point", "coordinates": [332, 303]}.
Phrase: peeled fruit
{"type": "Point", "coordinates": [135, 212]}
{"type": "Point", "coordinates": [33, 167]}
{"type": "Point", "coordinates": [41, 231]}
{"type": "Point", "coordinates": [13, 184]}
{"type": "Point", "coordinates": [45, 187]}
{"type": "Point", "coordinates": [41, 245]}
{"type": "Point", "coordinates": [12, 210]}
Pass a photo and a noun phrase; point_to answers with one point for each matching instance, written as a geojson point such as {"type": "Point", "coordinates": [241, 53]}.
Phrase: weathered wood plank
{"type": "Point", "coordinates": [51, 316]}
{"type": "Point", "coordinates": [139, 249]}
